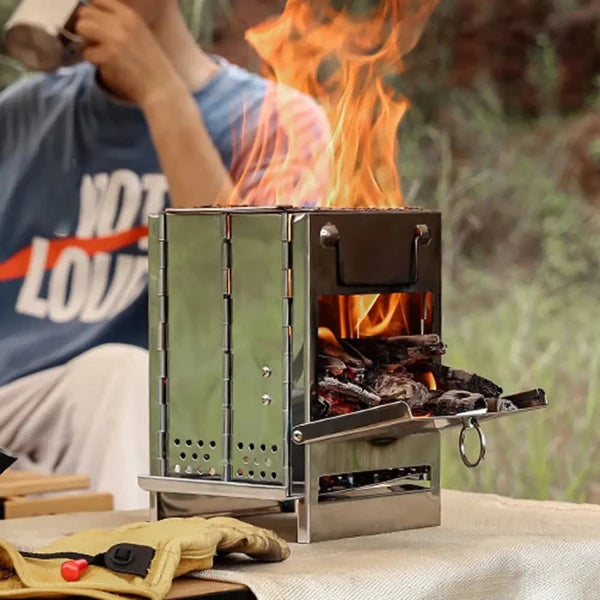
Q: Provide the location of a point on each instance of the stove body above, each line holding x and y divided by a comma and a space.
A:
235, 303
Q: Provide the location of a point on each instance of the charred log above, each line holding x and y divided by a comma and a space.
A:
453, 402
448, 378
397, 350
351, 392
392, 387
501, 405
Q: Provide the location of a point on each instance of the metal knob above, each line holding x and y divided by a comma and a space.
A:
266, 399
329, 236
266, 372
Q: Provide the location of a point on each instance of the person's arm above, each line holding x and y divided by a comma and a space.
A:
133, 65
188, 157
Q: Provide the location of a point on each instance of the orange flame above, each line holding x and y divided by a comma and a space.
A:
349, 61
374, 315
429, 381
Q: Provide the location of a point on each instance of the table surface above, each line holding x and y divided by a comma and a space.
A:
487, 547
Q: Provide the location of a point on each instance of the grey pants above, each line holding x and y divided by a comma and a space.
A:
87, 417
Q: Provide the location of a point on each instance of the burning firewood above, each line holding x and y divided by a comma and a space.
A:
397, 350
355, 374
448, 378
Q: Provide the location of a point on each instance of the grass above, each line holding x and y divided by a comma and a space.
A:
528, 339
520, 290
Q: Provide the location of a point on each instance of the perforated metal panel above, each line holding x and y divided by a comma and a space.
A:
260, 347
197, 409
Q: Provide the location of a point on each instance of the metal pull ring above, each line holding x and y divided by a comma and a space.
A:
471, 424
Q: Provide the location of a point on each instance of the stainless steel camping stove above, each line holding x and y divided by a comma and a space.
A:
235, 307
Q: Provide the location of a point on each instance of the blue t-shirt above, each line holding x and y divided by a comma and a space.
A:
79, 176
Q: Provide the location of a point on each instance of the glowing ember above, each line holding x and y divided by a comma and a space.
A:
349, 60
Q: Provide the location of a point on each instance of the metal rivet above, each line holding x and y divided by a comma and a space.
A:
177, 469
266, 372
188, 470
423, 233
297, 436
266, 399
212, 471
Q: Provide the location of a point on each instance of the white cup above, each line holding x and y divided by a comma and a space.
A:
41, 35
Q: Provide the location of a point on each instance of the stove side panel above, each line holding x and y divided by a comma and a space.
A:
259, 348
196, 445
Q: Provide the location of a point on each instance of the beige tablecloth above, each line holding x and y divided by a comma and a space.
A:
487, 548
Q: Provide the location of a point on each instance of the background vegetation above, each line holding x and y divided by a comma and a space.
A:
504, 138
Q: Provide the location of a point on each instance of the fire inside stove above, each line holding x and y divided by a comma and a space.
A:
380, 348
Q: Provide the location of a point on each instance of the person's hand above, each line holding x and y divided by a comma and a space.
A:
117, 40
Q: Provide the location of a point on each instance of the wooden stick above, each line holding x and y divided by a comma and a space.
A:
41, 484
16, 508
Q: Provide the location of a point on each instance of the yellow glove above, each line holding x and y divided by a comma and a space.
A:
141, 559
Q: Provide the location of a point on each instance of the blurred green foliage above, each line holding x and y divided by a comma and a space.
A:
521, 258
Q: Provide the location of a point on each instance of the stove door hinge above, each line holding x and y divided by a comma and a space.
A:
163, 347
287, 295
226, 258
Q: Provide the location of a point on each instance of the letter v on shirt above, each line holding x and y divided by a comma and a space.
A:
86, 281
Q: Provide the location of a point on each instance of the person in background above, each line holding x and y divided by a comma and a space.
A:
147, 121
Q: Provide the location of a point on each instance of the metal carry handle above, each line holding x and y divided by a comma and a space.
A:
330, 238
468, 424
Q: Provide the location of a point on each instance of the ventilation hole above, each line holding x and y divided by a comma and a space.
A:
182, 455
245, 460
273, 448
177, 441
268, 462
262, 474
195, 456
263, 448
251, 474
240, 445
213, 444
188, 443
200, 443
273, 475
251, 446
206, 457
239, 473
